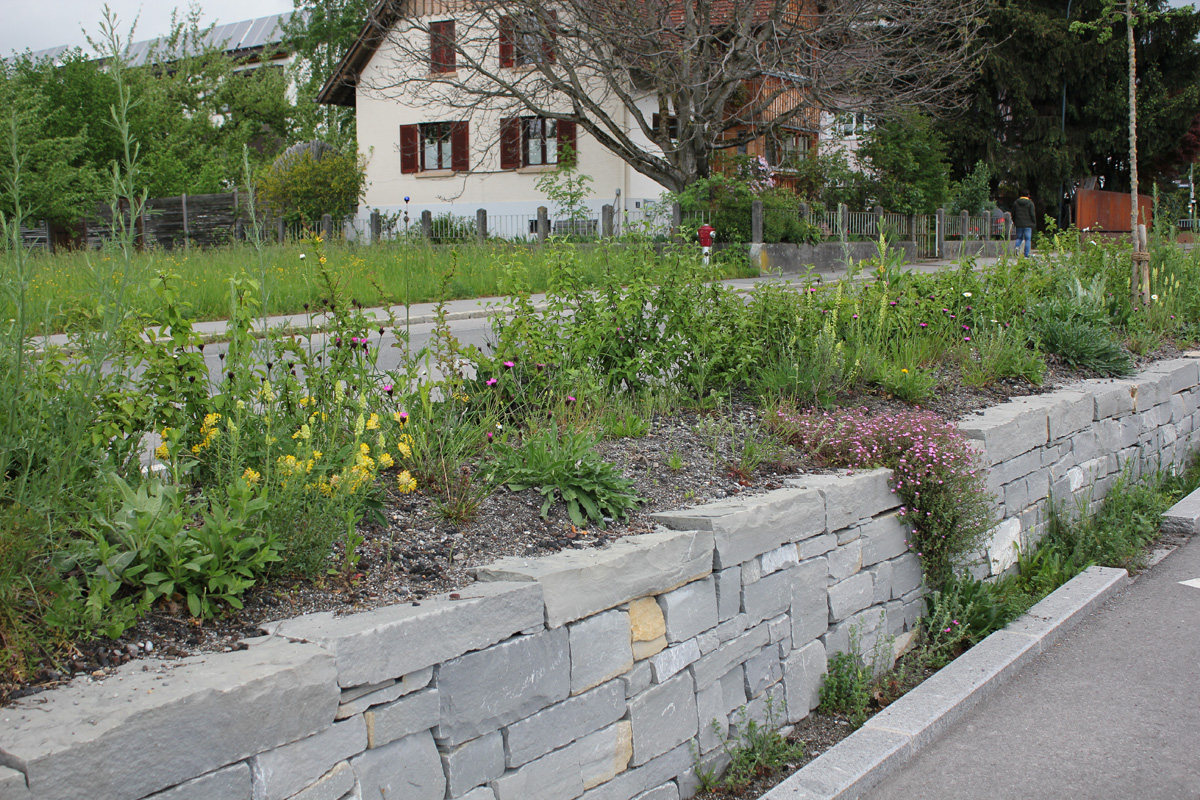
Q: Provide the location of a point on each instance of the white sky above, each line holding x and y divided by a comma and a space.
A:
38, 26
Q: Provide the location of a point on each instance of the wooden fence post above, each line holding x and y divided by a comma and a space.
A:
481, 228
186, 231
606, 221
543, 224
427, 224
376, 227
281, 230
327, 227
940, 250
756, 222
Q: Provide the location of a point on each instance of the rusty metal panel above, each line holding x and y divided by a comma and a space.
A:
1109, 211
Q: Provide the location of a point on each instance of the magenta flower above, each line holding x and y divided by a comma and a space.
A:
509, 364
492, 381
570, 399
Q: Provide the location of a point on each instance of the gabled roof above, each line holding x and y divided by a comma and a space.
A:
339, 88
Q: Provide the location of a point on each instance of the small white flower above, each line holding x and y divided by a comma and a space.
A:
302, 256
1153, 297
966, 294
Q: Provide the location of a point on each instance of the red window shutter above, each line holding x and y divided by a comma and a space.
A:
410, 148
548, 41
566, 136
460, 146
510, 143
441, 46
506, 41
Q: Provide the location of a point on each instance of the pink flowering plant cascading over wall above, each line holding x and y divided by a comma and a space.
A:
935, 472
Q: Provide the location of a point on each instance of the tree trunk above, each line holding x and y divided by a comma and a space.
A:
1139, 279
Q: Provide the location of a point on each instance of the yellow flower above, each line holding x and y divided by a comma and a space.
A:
305, 433
161, 452
251, 476
400, 417
373, 422
904, 371
403, 448
317, 455
405, 482
386, 461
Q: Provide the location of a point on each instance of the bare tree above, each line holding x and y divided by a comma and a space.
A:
666, 84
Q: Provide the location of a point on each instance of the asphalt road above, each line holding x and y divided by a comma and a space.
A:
1111, 711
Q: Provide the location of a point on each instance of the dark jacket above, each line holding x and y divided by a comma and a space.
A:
1023, 215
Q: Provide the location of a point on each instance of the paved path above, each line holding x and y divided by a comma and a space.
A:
1111, 711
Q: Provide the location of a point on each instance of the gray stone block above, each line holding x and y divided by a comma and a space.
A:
574, 718
762, 671
473, 763
729, 593
143, 732
632, 782
803, 673
732, 628
579, 583
690, 609
668, 791
817, 545
881, 579
1179, 374
712, 666
850, 596
780, 629
481, 793
484, 690
850, 498
600, 649
745, 528
1113, 398
1007, 430
280, 773
397, 640
779, 558
711, 718
566, 773
810, 602
404, 717
229, 783
751, 571
638, 679
867, 623
1071, 412
1184, 516
1151, 390
906, 574
845, 561
663, 717
359, 699
12, 786
669, 662
333, 785
408, 769
769, 597
884, 537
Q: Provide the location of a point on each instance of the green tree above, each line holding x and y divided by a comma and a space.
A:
320, 34
907, 161
1049, 107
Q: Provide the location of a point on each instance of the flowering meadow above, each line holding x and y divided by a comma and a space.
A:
135, 480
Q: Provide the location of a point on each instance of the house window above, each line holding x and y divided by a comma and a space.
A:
435, 146
790, 148
533, 141
852, 124
441, 47
539, 141
526, 40
672, 126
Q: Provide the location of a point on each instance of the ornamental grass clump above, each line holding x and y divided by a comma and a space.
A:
934, 471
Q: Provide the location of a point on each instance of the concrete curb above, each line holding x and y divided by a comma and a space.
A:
896, 734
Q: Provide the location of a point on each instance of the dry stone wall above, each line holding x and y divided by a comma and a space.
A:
594, 674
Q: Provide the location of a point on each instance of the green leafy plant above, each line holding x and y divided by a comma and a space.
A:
565, 466
847, 687
755, 749
1076, 334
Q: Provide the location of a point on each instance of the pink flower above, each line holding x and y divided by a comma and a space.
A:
509, 364
491, 381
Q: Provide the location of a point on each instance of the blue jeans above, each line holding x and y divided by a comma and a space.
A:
1023, 235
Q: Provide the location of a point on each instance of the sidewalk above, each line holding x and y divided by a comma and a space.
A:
1111, 711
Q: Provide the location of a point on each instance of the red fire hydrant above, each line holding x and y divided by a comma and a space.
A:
705, 234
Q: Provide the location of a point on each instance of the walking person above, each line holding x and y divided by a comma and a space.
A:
1024, 219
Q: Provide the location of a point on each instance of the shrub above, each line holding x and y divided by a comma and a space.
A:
934, 471
311, 180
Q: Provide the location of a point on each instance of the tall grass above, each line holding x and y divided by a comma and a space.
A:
383, 274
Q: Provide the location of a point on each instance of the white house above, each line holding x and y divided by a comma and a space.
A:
443, 157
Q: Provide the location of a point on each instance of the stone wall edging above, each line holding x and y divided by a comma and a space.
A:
584, 674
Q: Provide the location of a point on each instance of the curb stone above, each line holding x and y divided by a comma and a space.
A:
894, 735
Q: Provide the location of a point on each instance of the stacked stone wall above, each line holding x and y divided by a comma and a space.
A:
594, 674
